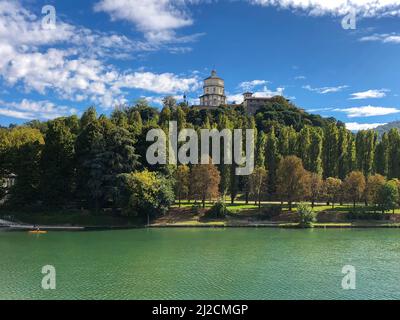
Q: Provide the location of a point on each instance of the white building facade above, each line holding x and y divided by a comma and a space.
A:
213, 91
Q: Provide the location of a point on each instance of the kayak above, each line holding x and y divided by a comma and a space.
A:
37, 232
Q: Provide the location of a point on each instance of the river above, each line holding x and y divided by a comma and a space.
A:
202, 264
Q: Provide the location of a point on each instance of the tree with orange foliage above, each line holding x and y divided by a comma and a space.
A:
205, 179
292, 180
354, 186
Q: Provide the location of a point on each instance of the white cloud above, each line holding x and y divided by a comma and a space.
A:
157, 19
250, 85
267, 93
28, 110
166, 83
369, 94
383, 37
235, 98
16, 20
364, 8
78, 70
158, 100
367, 111
355, 126
325, 90
300, 78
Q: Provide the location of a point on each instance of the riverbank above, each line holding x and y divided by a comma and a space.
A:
240, 216
250, 216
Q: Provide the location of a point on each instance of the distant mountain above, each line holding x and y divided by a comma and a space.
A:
386, 127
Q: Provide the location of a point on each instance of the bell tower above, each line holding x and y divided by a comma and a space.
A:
213, 91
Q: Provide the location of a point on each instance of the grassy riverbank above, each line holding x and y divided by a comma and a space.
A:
188, 215
250, 215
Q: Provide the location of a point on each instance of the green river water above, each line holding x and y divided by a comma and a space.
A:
202, 264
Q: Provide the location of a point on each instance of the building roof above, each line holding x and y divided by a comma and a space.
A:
213, 75
260, 98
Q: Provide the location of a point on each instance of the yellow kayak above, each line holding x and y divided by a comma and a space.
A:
37, 232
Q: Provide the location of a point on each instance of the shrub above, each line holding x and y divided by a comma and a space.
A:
363, 214
196, 208
306, 215
217, 211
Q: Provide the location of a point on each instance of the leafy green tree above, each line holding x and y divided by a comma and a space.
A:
103, 151
394, 153
343, 149
224, 169
382, 156
89, 116
272, 160
261, 149
180, 117
57, 164
148, 114
118, 157
388, 196
304, 146
283, 141
374, 184
20, 152
350, 158
182, 175
89, 145
315, 151
119, 118
145, 194
165, 116
330, 151
136, 122
365, 147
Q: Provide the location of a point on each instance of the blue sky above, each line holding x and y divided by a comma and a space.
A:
110, 52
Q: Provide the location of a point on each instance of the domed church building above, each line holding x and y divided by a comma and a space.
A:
214, 91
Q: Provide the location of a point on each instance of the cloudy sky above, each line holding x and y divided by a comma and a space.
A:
111, 52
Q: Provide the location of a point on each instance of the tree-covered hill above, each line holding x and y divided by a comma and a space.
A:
387, 127
283, 112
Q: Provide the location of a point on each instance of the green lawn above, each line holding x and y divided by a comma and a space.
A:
242, 207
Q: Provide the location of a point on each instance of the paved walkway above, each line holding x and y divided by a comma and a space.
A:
5, 222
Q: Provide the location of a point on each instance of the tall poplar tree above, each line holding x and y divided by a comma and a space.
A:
330, 151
